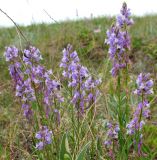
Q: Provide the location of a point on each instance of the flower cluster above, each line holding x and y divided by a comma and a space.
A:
112, 134
118, 40
83, 86
144, 85
31, 55
144, 88
124, 18
11, 53
52, 94
23, 87
32, 78
27, 95
135, 124
45, 137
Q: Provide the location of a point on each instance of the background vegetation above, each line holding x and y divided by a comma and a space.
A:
51, 39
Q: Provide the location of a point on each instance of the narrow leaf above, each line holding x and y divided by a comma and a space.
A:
81, 154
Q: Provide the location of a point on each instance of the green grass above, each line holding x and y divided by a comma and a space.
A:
51, 39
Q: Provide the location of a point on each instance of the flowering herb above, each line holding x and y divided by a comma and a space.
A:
45, 137
118, 40
84, 87
144, 88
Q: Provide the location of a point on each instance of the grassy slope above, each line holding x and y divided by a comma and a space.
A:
52, 38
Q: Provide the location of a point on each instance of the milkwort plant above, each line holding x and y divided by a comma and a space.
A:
118, 40
83, 90
124, 131
38, 93
43, 102
62, 111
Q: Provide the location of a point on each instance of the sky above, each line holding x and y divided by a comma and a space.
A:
25, 12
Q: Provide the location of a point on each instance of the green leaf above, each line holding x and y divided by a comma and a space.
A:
146, 149
81, 154
64, 153
154, 155
67, 157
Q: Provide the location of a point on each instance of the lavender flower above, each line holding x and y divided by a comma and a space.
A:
33, 78
16, 73
124, 18
116, 67
112, 134
144, 85
23, 87
31, 55
82, 85
26, 93
142, 112
91, 88
45, 137
11, 53
15, 68
144, 88
118, 40
69, 61
52, 94
27, 111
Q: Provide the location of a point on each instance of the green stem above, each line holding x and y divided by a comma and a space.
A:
121, 136
119, 100
127, 105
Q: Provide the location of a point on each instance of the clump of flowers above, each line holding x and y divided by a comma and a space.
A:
31, 55
112, 134
83, 85
32, 78
124, 18
144, 85
118, 40
11, 53
45, 137
52, 95
15, 68
23, 87
144, 88
34, 86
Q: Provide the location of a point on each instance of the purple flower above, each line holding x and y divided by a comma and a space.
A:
107, 143
52, 93
45, 137
119, 43
112, 134
31, 55
144, 84
40, 145
136, 124
27, 112
69, 61
134, 127
16, 73
124, 18
116, 67
82, 85
11, 53
118, 40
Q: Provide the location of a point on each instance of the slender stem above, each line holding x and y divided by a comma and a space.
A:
121, 138
127, 105
140, 117
119, 100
